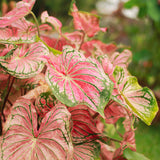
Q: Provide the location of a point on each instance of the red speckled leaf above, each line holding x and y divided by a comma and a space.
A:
75, 79
85, 21
22, 139
22, 9
25, 63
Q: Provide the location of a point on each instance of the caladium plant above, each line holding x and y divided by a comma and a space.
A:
58, 94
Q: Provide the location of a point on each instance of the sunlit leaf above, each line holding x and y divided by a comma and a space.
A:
25, 62
23, 139
75, 79
140, 100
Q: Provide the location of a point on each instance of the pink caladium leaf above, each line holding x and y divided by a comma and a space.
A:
87, 151
75, 38
83, 127
129, 135
113, 112
54, 43
76, 80
97, 48
84, 133
140, 100
121, 59
87, 22
22, 139
45, 18
21, 31
22, 9
25, 62
13, 36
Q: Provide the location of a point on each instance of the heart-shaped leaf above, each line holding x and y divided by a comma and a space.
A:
140, 100
25, 63
75, 79
22, 140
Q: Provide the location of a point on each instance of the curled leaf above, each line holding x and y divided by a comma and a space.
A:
52, 20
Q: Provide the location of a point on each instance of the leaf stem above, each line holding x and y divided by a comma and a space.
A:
37, 25
6, 97
54, 51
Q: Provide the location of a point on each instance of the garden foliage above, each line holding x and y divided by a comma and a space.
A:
59, 95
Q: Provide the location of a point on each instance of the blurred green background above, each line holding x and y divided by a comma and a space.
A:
132, 24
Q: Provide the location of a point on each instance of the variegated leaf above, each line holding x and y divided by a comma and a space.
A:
22, 9
54, 43
140, 100
75, 79
84, 128
84, 134
13, 36
25, 62
121, 59
22, 139
113, 112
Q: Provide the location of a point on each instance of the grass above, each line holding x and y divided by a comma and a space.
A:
148, 140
